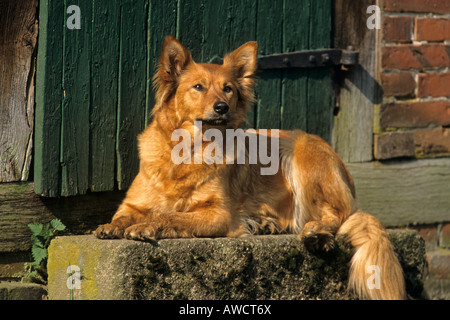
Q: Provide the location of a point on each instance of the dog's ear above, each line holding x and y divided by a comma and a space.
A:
174, 59
244, 60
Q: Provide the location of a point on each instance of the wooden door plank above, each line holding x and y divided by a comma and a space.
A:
269, 35
76, 103
243, 22
360, 91
105, 74
158, 29
132, 88
48, 99
190, 26
296, 24
319, 115
216, 30
243, 29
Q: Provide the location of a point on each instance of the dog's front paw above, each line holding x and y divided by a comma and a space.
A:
109, 231
141, 231
154, 230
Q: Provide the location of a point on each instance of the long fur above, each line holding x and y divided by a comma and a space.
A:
373, 248
311, 194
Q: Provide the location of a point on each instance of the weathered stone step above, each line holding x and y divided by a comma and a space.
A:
261, 267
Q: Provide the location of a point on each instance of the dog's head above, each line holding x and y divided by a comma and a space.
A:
217, 95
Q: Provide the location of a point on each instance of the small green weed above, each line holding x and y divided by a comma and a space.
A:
41, 236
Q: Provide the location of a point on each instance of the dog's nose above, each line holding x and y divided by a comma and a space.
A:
221, 107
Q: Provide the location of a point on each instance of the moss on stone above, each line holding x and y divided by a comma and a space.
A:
261, 267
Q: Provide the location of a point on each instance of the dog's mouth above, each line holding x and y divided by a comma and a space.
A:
213, 122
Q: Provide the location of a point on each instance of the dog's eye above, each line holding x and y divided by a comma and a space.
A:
227, 89
198, 87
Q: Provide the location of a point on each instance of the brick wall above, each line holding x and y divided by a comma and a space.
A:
414, 118
435, 235
437, 273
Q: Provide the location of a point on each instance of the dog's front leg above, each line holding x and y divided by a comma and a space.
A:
200, 223
125, 216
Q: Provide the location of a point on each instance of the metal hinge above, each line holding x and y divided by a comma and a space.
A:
305, 59
310, 59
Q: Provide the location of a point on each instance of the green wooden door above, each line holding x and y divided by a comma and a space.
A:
93, 86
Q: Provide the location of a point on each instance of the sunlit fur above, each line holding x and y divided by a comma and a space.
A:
312, 194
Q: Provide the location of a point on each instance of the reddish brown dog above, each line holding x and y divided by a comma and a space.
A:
312, 194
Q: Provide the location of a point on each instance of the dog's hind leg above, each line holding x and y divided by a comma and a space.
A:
319, 234
327, 202
322, 188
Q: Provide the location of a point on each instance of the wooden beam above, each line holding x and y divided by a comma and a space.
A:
404, 192
397, 193
19, 206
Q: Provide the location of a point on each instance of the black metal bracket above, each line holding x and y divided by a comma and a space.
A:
306, 59
310, 59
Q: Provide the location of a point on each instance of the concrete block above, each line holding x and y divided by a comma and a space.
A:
260, 267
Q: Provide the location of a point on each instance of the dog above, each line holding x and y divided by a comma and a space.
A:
311, 194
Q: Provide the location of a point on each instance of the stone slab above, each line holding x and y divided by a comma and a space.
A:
260, 267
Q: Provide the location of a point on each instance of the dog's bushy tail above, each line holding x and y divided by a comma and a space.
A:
375, 272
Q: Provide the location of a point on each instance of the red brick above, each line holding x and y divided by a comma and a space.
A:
444, 237
434, 142
404, 57
429, 29
439, 264
398, 84
397, 29
434, 55
394, 145
429, 234
434, 85
399, 57
415, 115
428, 6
